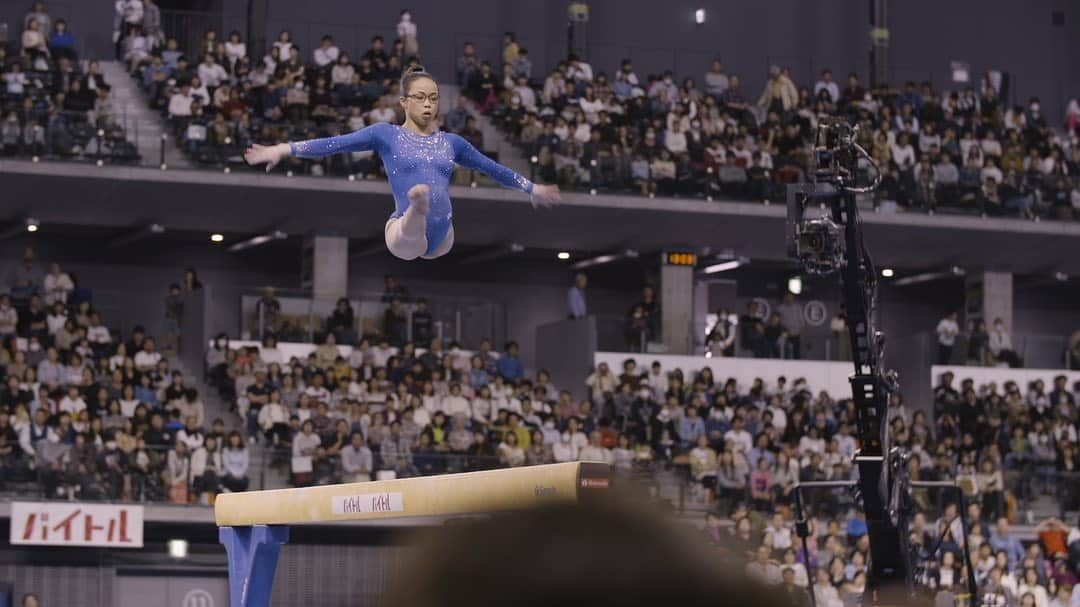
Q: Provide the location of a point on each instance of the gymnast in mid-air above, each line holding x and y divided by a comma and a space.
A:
419, 160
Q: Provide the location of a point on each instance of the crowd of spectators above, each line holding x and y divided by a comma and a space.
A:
415, 411
587, 128
980, 346
86, 413
52, 104
219, 98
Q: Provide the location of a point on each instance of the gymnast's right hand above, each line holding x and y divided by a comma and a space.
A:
270, 154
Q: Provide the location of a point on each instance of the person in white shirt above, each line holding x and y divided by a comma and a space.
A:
990, 170
578, 70
190, 434
327, 52
269, 353
523, 91
199, 91
406, 32
482, 409
739, 438
595, 452
577, 437
9, 317
356, 459
947, 330
137, 48
235, 49
212, 74
455, 403
827, 84
98, 333
72, 403
56, 318
146, 359
1001, 345
342, 72
903, 154
305, 443
284, 46
273, 416
180, 103
780, 533
57, 285
564, 450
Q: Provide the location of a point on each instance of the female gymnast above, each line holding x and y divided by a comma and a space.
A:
419, 161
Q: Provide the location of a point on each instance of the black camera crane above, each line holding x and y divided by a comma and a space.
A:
833, 242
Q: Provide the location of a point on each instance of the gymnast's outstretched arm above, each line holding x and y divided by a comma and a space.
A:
469, 157
367, 138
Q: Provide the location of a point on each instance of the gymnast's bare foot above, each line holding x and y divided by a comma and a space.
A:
418, 198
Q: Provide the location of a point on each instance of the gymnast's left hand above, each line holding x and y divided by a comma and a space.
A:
544, 195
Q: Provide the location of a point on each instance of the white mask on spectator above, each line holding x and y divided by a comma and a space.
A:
299, 86
1035, 108
34, 346
110, 444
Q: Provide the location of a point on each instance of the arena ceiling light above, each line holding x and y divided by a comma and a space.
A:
699, 16
887, 272
138, 234
915, 279
256, 241
605, 259
20, 227
794, 285
492, 253
725, 266
562, 255
216, 238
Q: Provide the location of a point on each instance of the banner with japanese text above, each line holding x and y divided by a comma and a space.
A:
76, 524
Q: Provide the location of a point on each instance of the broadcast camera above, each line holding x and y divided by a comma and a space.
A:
818, 242
825, 235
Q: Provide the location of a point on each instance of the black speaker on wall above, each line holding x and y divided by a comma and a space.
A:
1057, 18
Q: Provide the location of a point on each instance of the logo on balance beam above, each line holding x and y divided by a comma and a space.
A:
369, 503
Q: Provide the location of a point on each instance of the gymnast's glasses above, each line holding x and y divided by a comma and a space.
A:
420, 97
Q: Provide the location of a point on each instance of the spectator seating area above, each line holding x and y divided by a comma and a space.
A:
54, 104
218, 99
93, 415
741, 446
969, 148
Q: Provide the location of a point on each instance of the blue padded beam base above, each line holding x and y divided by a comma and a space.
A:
253, 554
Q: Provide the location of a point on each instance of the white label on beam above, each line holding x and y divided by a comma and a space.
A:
369, 503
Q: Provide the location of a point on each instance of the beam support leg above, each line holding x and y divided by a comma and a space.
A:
252, 554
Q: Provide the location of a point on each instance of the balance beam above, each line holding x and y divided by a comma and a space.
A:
254, 524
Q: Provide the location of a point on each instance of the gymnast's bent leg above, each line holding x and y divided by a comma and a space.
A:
444, 247
405, 235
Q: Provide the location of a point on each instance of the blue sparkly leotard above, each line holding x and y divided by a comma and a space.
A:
410, 159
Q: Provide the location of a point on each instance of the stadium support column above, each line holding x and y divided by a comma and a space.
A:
989, 296
577, 29
257, 11
676, 307
325, 266
879, 42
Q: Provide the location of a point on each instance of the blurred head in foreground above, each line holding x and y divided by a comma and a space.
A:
596, 555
